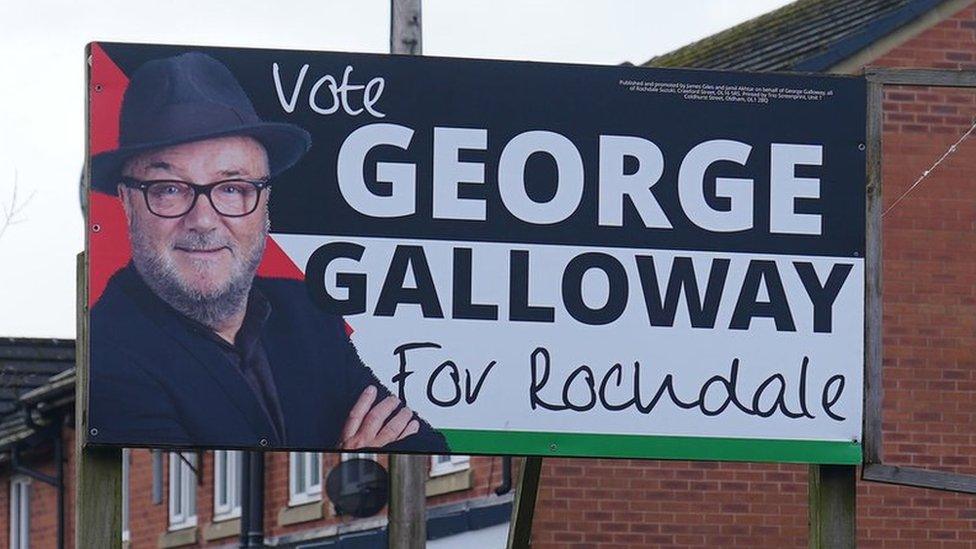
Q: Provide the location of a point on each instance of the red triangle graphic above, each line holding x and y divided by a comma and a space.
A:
107, 84
108, 244
277, 264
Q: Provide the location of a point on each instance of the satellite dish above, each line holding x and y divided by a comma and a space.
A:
358, 487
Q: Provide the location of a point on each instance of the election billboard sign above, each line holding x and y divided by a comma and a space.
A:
335, 251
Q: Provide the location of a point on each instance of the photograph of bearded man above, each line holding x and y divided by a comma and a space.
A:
189, 347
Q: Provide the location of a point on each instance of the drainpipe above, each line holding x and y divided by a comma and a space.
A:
57, 481
252, 500
59, 461
245, 491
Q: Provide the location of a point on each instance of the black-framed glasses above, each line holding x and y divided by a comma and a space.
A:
173, 198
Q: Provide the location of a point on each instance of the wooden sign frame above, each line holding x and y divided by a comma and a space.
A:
874, 468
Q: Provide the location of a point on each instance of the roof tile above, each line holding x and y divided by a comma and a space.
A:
799, 36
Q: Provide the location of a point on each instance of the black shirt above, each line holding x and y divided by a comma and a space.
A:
248, 356
160, 379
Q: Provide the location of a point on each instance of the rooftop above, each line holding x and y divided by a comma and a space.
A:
806, 36
35, 371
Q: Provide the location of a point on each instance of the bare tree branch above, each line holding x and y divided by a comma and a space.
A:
13, 211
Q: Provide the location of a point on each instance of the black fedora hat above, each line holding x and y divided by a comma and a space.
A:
190, 97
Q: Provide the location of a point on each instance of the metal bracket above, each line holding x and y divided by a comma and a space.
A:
194, 468
27, 471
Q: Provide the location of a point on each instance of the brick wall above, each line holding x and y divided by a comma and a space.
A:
630, 503
929, 298
147, 521
929, 368
43, 501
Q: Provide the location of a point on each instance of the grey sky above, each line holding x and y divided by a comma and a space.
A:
42, 88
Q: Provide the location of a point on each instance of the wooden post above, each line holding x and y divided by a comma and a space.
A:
408, 474
408, 502
98, 471
873, 392
523, 508
833, 506
874, 468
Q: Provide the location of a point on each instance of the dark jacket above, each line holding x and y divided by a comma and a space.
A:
157, 382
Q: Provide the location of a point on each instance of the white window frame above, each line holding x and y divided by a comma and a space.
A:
346, 456
307, 487
227, 470
126, 468
182, 483
20, 512
445, 465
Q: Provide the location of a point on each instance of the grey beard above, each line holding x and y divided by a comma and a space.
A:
212, 310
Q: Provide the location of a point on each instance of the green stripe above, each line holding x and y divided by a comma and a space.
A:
656, 447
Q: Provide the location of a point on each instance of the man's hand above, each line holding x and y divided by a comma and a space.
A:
370, 426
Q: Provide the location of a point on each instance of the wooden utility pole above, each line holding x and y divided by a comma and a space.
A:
98, 477
408, 474
405, 27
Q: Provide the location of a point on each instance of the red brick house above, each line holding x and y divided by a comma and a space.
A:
929, 300
929, 365
169, 501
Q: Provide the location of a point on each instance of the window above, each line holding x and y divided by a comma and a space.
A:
182, 491
126, 456
443, 465
20, 513
227, 484
305, 478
